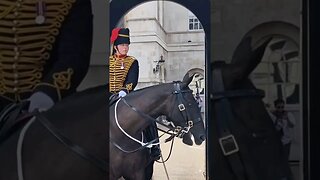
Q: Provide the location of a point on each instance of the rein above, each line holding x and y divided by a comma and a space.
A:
177, 131
10, 120
101, 164
143, 145
227, 140
25, 120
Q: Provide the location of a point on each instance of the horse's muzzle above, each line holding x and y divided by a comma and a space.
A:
203, 137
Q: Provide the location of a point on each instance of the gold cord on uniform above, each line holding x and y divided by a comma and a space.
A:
28, 30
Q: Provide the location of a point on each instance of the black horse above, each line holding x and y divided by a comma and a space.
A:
69, 141
244, 140
132, 114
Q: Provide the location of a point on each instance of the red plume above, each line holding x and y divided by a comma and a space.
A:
114, 34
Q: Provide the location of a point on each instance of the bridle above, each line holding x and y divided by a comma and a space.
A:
13, 112
98, 162
225, 117
182, 108
26, 120
174, 131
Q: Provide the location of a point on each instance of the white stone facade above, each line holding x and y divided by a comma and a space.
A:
156, 30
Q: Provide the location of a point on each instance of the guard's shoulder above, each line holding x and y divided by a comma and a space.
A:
131, 57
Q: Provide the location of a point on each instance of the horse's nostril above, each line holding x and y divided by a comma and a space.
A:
203, 137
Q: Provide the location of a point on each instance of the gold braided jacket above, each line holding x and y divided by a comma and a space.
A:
25, 44
118, 70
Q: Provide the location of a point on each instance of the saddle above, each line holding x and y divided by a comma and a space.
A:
12, 116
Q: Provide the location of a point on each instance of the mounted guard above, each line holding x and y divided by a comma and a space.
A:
123, 77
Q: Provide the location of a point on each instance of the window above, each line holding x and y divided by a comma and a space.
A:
279, 75
279, 72
194, 23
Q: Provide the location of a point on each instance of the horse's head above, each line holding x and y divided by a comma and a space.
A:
184, 110
241, 124
245, 59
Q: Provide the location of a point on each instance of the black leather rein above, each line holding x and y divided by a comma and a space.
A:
177, 131
225, 117
98, 162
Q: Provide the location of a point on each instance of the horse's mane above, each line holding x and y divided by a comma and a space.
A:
152, 86
149, 87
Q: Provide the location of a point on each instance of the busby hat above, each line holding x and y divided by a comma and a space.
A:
120, 36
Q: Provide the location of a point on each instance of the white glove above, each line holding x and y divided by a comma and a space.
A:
40, 101
122, 94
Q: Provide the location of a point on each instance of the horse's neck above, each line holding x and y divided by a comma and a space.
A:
134, 121
123, 118
151, 102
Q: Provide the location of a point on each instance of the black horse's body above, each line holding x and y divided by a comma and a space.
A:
82, 118
153, 101
238, 110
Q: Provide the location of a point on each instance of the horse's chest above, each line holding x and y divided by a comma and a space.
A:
125, 164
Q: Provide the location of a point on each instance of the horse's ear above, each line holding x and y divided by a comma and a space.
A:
188, 78
242, 51
248, 58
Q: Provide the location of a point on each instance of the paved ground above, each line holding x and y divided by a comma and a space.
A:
186, 162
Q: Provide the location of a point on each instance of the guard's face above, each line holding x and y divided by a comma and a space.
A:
122, 49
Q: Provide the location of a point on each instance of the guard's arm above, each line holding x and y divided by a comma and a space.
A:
131, 80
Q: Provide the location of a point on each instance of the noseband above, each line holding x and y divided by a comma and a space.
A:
180, 131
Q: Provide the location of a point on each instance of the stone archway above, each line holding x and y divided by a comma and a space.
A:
201, 9
279, 74
275, 28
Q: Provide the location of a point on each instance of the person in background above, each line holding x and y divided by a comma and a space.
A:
199, 100
123, 77
284, 122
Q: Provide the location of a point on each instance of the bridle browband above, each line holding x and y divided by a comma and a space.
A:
227, 140
175, 131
